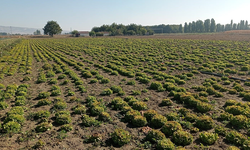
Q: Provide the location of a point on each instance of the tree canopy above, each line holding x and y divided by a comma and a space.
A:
120, 29
51, 28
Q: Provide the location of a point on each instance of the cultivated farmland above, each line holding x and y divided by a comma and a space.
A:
125, 93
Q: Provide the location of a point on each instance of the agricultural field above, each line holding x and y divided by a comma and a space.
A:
125, 93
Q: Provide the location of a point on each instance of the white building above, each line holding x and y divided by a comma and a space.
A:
83, 33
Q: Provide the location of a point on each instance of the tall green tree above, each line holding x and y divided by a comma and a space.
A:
193, 26
51, 28
74, 32
234, 26
199, 26
213, 25
207, 25
190, 27
180, 29
246, 25
185, 28
231, 25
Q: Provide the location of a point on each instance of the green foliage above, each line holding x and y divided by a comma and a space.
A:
139, 105
104, 116
204, 122
149, 114
3, 105
79, 109
170, 127
139, 121
105, 80
204, 107
239, 121
11, 127
67, 127
158, 121
89, 121
107, 91
43, 102
182, 138
60, 105
155, 135
120, 137
208, 138
165, 144
235, 137
51, 28
63, 119
44, 126
166, 102
43, 95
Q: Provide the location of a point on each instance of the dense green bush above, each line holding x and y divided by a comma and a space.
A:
165, 144
158, 121
139, 121
44, 126
120, 137
182, 138
204, 122
208, 138
155, 135
170, 127
11, 127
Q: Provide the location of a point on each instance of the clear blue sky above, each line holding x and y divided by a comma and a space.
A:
84, 14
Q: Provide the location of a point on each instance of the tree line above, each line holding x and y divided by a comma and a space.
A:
120, 29
199, 26
210, 26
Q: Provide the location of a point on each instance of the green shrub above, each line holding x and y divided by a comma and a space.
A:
63, 119
120, 137
62, 76
60, 105
230, 102
203, 93
220, 130
239, 121
158, 121
155, 135
149, 114
131, 82
170, 127
42, 114
235, 110
172, 116
107, 91
233, 148
235, 137
71, 93
116, 89
105, 80
190, 117
2, 86
166, 102
15, 117
139, 121
208, 138
232, 91
139, 105
79, 109
204, 122
11, 127
104, 116
226, 116
3, 105
247, 96
43, 102
44, 126
43, 95
165, 144
136, 92
96, 110
93, 81
204, 107
155, 85
16, 110
65, 82
182, 138
89, 121
67, 127
129, 116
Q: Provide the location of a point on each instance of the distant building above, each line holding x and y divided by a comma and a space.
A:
105, 33
83, 33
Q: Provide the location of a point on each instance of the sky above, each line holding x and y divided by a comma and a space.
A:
83, 15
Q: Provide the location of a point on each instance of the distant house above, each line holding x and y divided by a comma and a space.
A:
105, 33
83, 33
